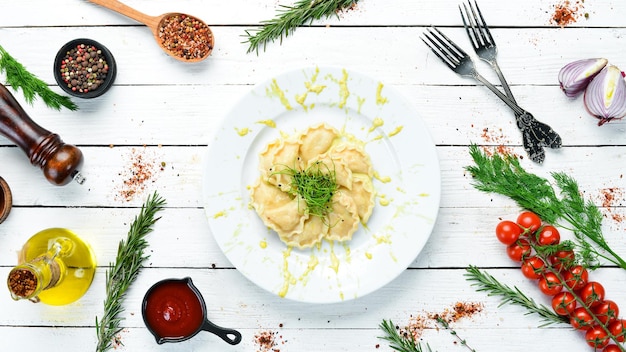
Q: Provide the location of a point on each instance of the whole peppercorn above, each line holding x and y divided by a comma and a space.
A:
84, 68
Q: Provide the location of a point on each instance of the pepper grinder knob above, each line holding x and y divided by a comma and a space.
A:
60, 162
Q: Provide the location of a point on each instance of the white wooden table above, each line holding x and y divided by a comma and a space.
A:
167, 110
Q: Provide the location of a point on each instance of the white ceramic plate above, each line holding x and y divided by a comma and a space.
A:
407, 184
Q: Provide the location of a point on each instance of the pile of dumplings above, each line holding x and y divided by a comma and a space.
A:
287, 214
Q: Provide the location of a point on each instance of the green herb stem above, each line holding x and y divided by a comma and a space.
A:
18, 77
484, 282
121, 274
453, 332
398, 342
291, 17
504, 175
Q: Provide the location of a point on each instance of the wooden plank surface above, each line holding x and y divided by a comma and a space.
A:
168, 111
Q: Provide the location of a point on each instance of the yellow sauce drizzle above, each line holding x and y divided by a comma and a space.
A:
383, 200
383, 179
242, 131
268, 123
377, 122
263, 244
344, 92
334, 261
360, 102
380, 100
286, 274
311, 87
396, 131
368, 255
219, 214
382, 239
275, 91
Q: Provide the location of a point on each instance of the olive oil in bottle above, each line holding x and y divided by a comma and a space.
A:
55, 267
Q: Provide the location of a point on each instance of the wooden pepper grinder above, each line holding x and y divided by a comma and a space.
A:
60, 162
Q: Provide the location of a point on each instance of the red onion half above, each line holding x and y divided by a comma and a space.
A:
605, 96
575, 76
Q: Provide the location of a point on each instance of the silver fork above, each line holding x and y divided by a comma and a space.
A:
461, 63
484, 45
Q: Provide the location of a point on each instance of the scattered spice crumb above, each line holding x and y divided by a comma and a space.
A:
609, 196
497, 137
140, 170
268, 341
567, 12
428, 320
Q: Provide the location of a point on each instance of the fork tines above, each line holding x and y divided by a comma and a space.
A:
443, 47
479, 34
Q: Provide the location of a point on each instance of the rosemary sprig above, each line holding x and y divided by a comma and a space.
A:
453, 332
398, 342
17, 76
290, 17
406, 342
119, 276
504, 175
484, 282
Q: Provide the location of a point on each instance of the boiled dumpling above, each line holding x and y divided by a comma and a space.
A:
319, 149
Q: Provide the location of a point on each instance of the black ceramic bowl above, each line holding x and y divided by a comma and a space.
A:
90, 71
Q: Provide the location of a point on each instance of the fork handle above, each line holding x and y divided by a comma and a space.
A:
505, 84
500, 95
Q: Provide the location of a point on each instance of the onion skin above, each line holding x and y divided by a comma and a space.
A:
605, 96
575, 76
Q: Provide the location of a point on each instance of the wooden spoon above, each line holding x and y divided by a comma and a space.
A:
202, 48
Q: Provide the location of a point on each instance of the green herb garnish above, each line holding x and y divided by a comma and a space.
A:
504, 175
399, 342
487, 283
291, 17
405, 342
119, 276
316, 186
17, 76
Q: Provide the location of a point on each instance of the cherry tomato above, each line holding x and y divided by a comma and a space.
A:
550, 284
564, 303
597, 337
581, 319
508, 232
533, 267
576, 277
611, 348
618, 329
606, 311
548, 235
562, 259
592, 294
529, 221
519, 250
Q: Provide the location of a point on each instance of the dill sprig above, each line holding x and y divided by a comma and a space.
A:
316, 185
291, 17
504, 175
484, 282
399, 342
119, 276
18, 77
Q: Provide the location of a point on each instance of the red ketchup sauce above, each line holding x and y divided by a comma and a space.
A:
173, 310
